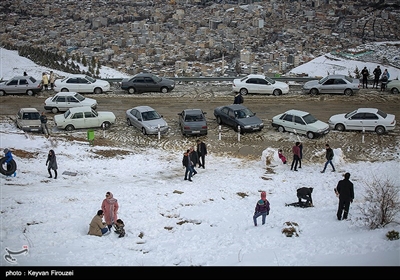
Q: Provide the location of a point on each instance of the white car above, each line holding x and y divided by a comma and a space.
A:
62, 101
82, 84
28, 119
84, 117
255, 83
300, 122
367, 119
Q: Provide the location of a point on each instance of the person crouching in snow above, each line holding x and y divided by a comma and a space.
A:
281, 156
305, 193
97, 226
262, 208
119, 228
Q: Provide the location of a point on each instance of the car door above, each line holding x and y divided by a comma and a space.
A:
91, 119
12, 86
264, 87
71, 102
338, 86
252, 85
135, 118
151, 85
61, 103
23, 86
360, 121
327, 86
72, 84
287, 122
84, 85
77, 120
299, 125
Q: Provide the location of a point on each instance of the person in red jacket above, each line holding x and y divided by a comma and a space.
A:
296, 156
262, 209
281, 156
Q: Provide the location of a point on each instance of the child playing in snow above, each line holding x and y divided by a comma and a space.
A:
119, 228
281, 156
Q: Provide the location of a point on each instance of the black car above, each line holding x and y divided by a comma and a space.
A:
147, 82
237, 115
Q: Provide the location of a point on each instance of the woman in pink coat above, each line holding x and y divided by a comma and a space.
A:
110, 208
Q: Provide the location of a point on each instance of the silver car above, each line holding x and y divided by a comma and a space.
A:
335, 84
21, 84
28, 119
147, 120
193, 122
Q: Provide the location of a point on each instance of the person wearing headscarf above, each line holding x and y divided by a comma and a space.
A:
51, 163
110, 208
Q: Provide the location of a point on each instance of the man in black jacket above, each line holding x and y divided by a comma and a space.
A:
345, 190
201, 152
329, 157
305, 193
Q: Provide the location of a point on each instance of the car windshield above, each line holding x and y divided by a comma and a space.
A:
350, 114
66, 114
33, 80
31, 116
309, 119
155, 78
92, 80
243, 113
269, 80
150, 115
79, 97
348, 79
323, 80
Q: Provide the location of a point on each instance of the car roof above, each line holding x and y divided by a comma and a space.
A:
193, 111
255, 76
296, 112
66, 93
77, 75
144, 75
235, 106
337, 76
143, 108
368, 110
20, 77
80, 109
29, 109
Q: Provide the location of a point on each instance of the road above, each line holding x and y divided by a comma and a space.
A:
356, 145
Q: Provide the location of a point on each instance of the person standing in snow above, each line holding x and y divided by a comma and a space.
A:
194, 159
43, 122
329, 157
110, 208
186, 162
345, 190
377, 74
45, 81
201, 152
51, 163
296, 156
97, 227
262, 208
365, 74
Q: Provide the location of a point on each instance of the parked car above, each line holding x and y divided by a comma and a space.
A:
335, 84
147, 120
28, 119
21, 84
237, 115
62, 101
255, 83
82, 84
368, 119
192, 122
147, 82
393, 86
84, 117
300, 122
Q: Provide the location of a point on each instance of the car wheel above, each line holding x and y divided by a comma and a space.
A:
144, 131
30, 92
164, 90
105, 125
281, 129
243, 91
314, 91
348, 92
340, 127
54, 110
128, 121
219, 121
380, 130
98, 90
2, 93
69, 127
277, 92
395, 90
310, 135
131, 90
64, 90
